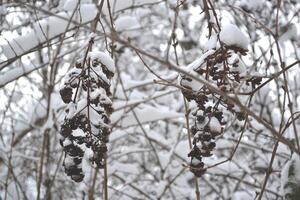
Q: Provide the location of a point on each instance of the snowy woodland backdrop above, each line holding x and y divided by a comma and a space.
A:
150, 99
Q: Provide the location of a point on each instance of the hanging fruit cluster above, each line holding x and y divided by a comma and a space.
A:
86, 126
221, 66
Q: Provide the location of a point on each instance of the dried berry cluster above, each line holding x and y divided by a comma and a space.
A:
223, 68
86, 128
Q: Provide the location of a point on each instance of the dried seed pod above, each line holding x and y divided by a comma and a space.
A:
66, 94
86, 125
222, 68
77, 177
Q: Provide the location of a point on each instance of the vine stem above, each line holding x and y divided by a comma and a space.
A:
187, 112
112, 55
105, 180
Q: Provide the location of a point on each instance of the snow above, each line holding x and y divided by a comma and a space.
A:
156, 136
231, 35
96, 120
196, 64
242, 195
160, 186
196, 162
226, 167
70, 5
16, 96
164, 158
182, 149
100, 92
104, 58
98, 74
145, 114
193, 84
78, 133
211, 43
38, 110
290, 175
124, 167
119, 5
252, 5
81, 105
13, 74
130, 155
68, 161
66, 142
212, 18
70, 76
47, 29
3, 10
116, 135
126, 22
285, 176
86, 164
290, 34
71, 107
237, 64
35, 111
127, 26
200, 126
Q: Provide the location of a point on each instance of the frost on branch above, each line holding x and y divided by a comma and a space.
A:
290, 179
221, 66
86, 128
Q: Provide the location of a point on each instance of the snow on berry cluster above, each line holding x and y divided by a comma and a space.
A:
86, 126
221, 66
